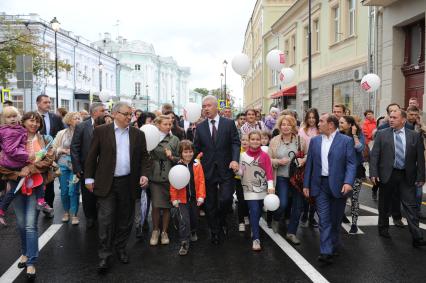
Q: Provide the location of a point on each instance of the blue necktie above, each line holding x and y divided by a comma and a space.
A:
399, 151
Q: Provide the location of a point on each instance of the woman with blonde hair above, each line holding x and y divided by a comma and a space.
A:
282, 150
163, 157
68, 182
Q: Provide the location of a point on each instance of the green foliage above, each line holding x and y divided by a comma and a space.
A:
203, 91
17, 39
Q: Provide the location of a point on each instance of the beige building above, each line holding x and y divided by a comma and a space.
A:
265, 13
398, 37
339, 56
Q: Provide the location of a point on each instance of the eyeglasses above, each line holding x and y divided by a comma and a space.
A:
125, 114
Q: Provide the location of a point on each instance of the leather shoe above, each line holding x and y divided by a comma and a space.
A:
419, 243
328, 259
22, 264
398, 223
215, 239
103, 265
123, 257
384, 234
90, 223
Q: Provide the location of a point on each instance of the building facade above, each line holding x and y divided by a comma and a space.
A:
147, 80
265, 13
92, 69
398, 50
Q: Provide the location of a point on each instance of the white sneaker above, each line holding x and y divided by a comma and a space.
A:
293, 239
246, 220
256, 245
164, 238
241, 227
154, 238
75, 220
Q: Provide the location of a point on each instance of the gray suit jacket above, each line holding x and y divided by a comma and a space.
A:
80, 145
382, 156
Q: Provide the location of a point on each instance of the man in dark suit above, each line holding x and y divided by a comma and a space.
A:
52, 124
397, 161
117, 164
329, 176
80, 145
217, 138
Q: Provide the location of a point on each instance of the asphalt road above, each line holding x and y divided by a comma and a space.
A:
70, 255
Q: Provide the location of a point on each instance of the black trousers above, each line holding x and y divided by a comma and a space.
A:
398, 185
218, 202
49, 193
89, 202
115, 217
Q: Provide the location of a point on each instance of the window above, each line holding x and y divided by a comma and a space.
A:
343, 93
67, 72
93, 77
137, 88
316, 36
293, 50
306, 42
18, 102
65, 103
351, 18
336, 24
137, 67
286, 49
106, 80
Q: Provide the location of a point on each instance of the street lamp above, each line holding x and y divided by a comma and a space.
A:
221, 84
100, 66
225, 64
310, 55
147, 97
56, 25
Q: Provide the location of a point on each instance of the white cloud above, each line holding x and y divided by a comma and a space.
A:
199, 34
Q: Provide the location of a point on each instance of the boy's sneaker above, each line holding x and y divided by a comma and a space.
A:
184, 247
354, 229
193, 237
256, 245
43, 206
241, 227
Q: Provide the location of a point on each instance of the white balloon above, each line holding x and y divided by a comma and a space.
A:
370, 82
271, 202
286, 75
275, 59
152, 136
241, 64
264, 148
179, 176
192, 112
104, 96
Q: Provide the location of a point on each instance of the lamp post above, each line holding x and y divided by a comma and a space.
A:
56, 25
225, 64
310, 54
147, 97
100, 66
221, 84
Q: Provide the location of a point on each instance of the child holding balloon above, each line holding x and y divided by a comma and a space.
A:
188, 199
257, 181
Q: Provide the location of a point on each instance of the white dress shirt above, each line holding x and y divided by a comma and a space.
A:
122, 164
217, 118
325, 149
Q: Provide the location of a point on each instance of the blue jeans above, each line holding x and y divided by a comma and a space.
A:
255, 210
69, 192
26, 218
283, 191
419, 197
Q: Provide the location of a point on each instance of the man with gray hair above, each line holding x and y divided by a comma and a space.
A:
119, 149
79, 149
217, 138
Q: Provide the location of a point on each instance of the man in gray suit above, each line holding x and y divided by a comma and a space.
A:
397, 161
80, 145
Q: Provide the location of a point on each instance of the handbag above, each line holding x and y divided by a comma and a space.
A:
297, 172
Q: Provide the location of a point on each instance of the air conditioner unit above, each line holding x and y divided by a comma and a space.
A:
358, 74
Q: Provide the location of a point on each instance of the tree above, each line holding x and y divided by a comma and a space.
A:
203, 91
16, 38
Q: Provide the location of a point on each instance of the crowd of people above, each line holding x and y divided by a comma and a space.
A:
313, 166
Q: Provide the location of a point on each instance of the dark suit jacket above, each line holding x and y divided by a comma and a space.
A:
55, 125
386, 125
101, 160
80, 145
382, 156
341, 165
218, 155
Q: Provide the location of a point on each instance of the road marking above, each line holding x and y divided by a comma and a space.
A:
298, 259
13, 272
